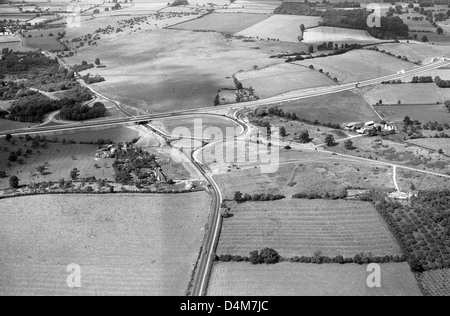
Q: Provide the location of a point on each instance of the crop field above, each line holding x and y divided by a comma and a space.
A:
358, 65
176, 70
9, 39
435, 282
298, 279
251, 6
445, 93
417, 25
304, 172
7, 8
335, 34
61, 160
302, 227
423, 113
22, 17
229, 23
278, 79
421, 181
124, 244
408, 93
338, 108
15, 46
43, 19
41, 39
281, 27
416, 52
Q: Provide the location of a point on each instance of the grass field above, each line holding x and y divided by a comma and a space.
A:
297, 279
421, 181
394, 152
423, 113
303, 227
282, 78
229, 23
176, 69
60, 159
435, 143
203, 123
335, 34
408, 93
8, 125
118, 134
358, 65
416, 52
124, 244
281, 27
339, 108
435, 282
305, 173
40, 39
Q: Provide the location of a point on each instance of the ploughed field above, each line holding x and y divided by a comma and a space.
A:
124, 244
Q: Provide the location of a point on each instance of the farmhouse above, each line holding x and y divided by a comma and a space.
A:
398, 195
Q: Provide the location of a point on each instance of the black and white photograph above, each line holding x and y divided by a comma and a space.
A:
225, 155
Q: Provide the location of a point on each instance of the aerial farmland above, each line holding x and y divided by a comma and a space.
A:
225, 148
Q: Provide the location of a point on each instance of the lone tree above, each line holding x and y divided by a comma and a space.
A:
329, 140
283, 131
439, 30
348, 144
302, 27
74, 174
97, 61
14, 182
270, 256
304, 137
8, 137
311, 49
2, 174
238, 197
217, 100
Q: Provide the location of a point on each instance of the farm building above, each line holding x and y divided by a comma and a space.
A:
398, 195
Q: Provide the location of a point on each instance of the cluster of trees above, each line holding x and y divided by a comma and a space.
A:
75, 112
33, 108
317, 196
132, 164
422, 228
442, 83
303, 137
14, 63
93, 79
267, 256
242, 198
422, 79
391, 27
358, 259
84, 66
274, 111
40, 71
179, 3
